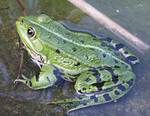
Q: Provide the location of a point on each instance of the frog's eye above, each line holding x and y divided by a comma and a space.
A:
30, 32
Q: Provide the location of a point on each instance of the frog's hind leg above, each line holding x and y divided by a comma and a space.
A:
102, 97
93, 91
45, 79
109, 91
129, 57
92, 81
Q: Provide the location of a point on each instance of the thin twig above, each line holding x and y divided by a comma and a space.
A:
22, 6
4, 8
20, 69
20, 65
20, 61
111, 25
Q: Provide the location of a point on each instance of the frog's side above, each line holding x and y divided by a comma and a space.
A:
97, 66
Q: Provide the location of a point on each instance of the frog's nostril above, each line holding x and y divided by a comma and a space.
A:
17, 23
20, 19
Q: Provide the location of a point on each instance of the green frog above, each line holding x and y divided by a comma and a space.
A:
101, 68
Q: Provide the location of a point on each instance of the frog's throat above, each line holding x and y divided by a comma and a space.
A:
37, 58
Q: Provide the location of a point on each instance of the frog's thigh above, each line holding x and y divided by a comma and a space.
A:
92, 81
45, 79
89, 81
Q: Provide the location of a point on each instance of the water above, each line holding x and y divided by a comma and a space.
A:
133, 15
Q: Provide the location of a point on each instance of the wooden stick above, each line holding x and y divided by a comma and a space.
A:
22, 6
111, 25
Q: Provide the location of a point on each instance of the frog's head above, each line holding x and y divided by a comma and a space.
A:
29, 31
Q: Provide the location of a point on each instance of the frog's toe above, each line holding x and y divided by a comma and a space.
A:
66, 104
24, 80
24, 77
20, 80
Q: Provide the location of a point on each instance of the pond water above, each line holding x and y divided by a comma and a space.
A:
20, 100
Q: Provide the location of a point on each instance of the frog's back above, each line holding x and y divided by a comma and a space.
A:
82, 46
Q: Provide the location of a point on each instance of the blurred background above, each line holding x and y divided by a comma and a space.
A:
20, 100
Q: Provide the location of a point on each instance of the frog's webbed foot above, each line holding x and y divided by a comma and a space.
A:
45, 79
68, 104
24, 79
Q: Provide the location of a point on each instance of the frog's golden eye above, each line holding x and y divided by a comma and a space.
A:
30, 32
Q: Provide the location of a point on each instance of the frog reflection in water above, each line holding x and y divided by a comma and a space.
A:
100, 68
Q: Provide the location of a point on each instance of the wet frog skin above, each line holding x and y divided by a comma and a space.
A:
100, 68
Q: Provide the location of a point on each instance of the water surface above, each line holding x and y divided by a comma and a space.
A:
133, 15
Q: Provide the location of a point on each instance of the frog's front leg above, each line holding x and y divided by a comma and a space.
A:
45, 79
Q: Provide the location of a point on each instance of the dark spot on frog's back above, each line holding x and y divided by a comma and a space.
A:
108, 39
58, 51
86, 57
82, 41
77, 64
64, 41
119, 46
68, 33
126, 52
107, 97
104, 55
74, 49
92, 49
116, 66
